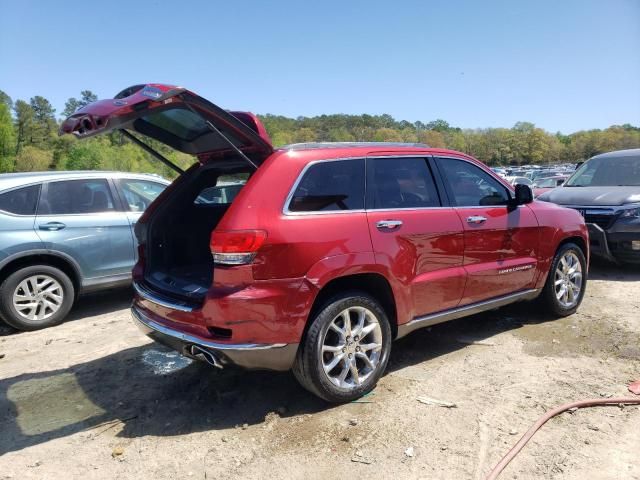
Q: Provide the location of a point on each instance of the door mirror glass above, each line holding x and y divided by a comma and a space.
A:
524, 194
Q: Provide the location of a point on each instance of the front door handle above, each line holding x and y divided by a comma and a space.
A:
476, 219
388, 224
52, 226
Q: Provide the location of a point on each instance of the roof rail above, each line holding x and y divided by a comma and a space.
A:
318, 145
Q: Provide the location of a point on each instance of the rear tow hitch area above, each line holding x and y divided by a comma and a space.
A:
205, 355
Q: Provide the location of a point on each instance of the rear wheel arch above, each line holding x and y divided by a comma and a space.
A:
373, 284
64, 264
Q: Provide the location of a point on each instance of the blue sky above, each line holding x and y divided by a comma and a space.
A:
564, 65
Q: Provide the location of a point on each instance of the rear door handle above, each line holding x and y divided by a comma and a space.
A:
52, 226
388, 224
476, 219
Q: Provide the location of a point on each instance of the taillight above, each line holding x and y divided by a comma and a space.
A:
236, 247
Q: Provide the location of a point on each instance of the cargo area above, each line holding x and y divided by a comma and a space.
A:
178, 258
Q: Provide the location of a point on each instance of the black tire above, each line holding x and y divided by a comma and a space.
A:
548, 298
10, 314
308, 367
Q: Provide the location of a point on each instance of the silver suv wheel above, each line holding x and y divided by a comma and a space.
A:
38, 297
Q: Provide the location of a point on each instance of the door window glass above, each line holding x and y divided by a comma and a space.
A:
138, 194
400, 183
21, 201
76, 196
227, 186
330, 186
472, 186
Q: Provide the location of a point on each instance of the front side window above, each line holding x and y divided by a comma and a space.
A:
400, 183
76, 196
330, 186
21, 201
471, 186
138, 194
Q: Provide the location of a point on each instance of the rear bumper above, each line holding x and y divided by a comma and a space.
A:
255, 356
614, 246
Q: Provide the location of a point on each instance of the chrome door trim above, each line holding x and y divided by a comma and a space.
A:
459, 312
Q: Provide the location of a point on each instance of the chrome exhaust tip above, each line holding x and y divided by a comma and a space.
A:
204, 355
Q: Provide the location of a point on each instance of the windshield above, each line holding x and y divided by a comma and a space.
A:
607, 172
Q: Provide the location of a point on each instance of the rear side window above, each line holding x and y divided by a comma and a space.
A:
471, 186
76, 196
21, 201
330, 186
400, 183
227, 186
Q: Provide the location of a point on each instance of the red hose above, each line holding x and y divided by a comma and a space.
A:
550, 414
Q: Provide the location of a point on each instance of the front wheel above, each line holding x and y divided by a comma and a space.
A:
36, 297
566, 282
346, 348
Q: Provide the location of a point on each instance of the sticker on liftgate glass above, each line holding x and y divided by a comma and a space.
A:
515, 269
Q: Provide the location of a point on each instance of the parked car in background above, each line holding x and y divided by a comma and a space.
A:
520, 181
545, 184
328, 252
63, 234
606, 191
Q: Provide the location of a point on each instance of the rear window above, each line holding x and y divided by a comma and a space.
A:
76, 196
330, 186
225, 190
21, 201
182, 123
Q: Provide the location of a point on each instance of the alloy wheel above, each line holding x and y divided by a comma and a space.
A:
568, 280
38, 297
352, 347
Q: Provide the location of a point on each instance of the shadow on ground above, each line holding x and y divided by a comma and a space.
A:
153, 391
167, 396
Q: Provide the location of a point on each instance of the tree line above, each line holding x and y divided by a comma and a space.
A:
29, 139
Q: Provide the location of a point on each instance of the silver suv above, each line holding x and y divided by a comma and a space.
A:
63, 234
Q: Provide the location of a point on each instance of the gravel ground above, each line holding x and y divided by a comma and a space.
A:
92, 398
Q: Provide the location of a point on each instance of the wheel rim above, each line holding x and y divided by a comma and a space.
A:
38, 297
568, 280
352, 347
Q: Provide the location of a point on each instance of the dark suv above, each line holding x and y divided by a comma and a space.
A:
328, 251
606, 191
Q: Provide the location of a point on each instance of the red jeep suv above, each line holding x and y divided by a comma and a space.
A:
314, 257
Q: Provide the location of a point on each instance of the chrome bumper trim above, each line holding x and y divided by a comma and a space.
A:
185, 337
163, 302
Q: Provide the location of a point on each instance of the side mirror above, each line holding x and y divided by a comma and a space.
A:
524, 194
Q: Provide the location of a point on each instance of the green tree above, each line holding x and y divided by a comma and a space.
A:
73, 104
7, 139
24, 124
33, 159
44, 121
6, 99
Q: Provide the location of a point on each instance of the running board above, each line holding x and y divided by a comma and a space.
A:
459, 312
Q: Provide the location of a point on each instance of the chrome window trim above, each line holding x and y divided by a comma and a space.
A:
287, 202
492, 175
11, 189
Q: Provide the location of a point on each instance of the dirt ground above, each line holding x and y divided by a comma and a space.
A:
93, 398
